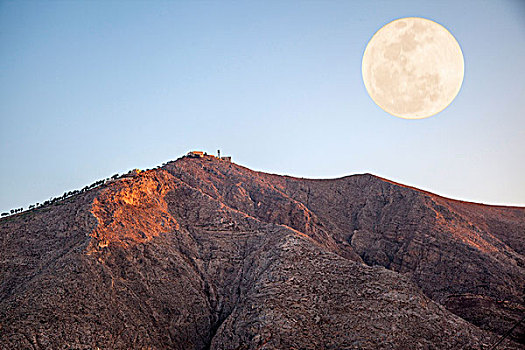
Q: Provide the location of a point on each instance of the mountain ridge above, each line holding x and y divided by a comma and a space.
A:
229, 232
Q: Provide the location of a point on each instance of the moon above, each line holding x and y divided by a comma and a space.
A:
413, 68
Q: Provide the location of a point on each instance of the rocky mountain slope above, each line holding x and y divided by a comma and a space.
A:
206, 254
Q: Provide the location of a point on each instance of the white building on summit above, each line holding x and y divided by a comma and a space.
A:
201, 154
195, 154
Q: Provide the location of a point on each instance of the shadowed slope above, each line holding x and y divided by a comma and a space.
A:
466, 256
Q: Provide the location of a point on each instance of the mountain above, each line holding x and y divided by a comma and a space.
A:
202, 253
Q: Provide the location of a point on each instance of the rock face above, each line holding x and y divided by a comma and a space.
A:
206, 254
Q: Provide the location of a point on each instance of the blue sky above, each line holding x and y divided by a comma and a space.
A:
89, 89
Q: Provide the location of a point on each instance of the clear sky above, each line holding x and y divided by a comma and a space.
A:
89, 89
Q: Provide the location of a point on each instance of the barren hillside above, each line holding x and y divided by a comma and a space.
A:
206, 254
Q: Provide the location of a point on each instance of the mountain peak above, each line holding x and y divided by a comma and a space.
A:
204, 253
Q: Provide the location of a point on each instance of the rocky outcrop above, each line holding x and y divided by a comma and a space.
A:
133, 210
206, 254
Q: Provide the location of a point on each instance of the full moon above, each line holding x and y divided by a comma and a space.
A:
413, 68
